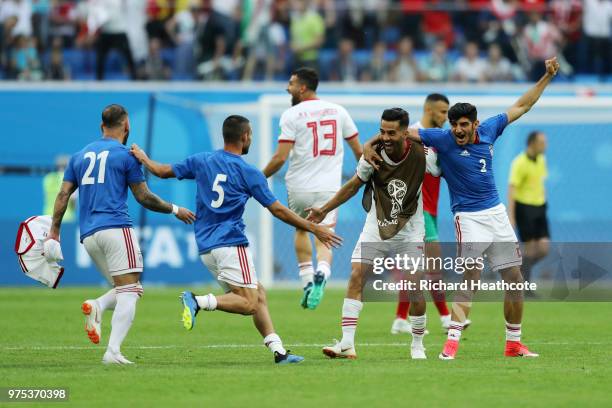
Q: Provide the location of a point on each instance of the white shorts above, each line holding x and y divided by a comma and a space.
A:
231, 266
299, 201
115, 251
488, 233
408, 241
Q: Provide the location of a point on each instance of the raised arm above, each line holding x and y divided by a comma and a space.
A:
151, 201
279, 158
59, 209
529, 98
347, 191
157, 169
324, 234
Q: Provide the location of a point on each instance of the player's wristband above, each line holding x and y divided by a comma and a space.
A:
175, 209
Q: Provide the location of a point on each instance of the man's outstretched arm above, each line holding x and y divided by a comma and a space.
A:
151, 201
157, 169
324, 234
530, 97
279, 158
347, 191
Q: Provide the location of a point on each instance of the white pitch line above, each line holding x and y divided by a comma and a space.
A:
239, 346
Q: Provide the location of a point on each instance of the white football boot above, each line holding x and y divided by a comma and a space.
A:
400, 326
417, 352
93, 320
336, 351
111, 357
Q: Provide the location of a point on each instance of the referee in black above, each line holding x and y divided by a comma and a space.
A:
527, 201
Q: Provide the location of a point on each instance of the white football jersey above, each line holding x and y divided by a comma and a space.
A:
317, 130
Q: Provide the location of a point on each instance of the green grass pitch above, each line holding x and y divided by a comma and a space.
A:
223, 362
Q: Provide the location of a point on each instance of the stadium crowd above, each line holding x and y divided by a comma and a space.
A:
346, 40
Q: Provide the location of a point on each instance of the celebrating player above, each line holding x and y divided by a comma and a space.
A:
224, 184
102, 171
482, 226
394, 224
312, 131
434, 116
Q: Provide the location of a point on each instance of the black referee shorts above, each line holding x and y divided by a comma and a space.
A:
531, 221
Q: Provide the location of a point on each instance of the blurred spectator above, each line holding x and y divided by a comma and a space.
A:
40, 22
7, 23
567, 17
541, 40
212, 46
22, 10
468, 20
411, 20
56, 70
158, 13
24, 60
344, 68
596, 22
360, 20
498, 68
332, 12
495, 34
437, 67
110, 18
156, 68
136, 14
404, 68
376, 70
470, 67
437, 24
181, 29
307, 34
63, 21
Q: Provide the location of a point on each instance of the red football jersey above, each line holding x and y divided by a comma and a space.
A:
431, 193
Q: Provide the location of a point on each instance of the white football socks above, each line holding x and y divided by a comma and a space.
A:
207, 302
350, 314
306, 272
513, 332
107, 301
454, 330
123, 316
274, 343
324, 268
418, 324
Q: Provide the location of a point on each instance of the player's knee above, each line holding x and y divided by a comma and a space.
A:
513, 275
252, 303
543, 248
261, 292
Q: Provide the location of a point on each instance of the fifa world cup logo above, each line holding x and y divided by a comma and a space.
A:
397, 190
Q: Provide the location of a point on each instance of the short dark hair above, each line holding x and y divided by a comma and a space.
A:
396, 115
113, 115
436, 97
533, 135
308, 77
461, 110
234, 127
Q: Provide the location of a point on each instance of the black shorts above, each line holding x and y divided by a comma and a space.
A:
531, 221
